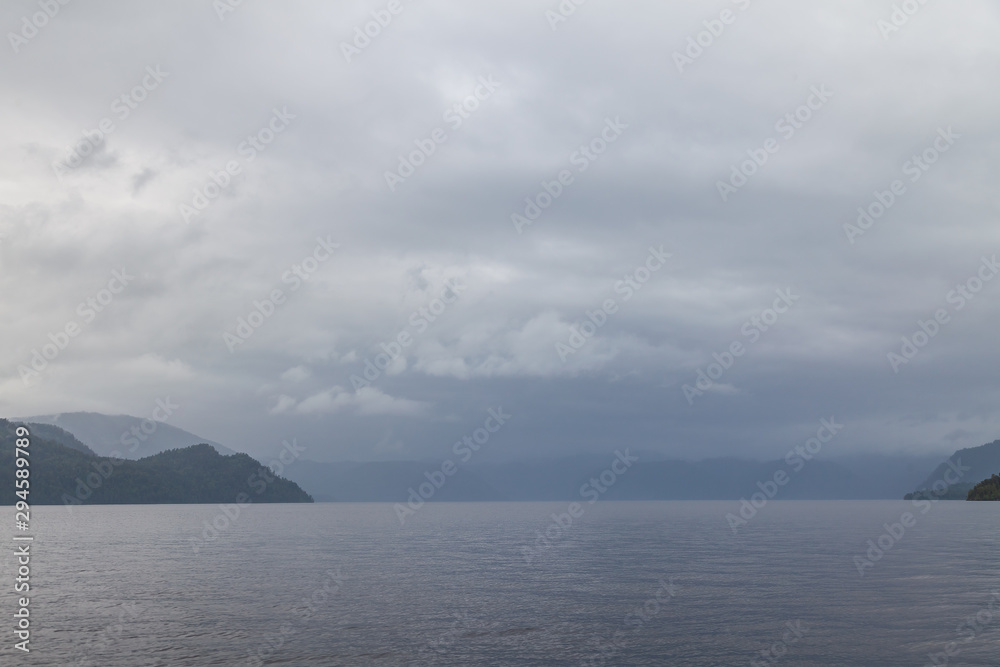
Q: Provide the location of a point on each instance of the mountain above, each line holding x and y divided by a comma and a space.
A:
988, 489
63, 437
124, 436
198, 474
974, 463
868, 478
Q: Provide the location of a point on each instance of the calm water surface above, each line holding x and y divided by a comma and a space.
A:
345, 584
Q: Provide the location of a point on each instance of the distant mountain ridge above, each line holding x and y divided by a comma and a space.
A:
60, 474
868, 477
861, 478
970, 466
124, 436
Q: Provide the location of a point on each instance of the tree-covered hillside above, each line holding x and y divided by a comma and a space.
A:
197, 474
988, 489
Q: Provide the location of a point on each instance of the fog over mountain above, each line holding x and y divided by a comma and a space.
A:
614, 237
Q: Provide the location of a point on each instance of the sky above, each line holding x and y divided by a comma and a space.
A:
567, 213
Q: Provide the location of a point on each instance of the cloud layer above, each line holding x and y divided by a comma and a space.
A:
409, 232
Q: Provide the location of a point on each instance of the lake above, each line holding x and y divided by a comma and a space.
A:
619, 583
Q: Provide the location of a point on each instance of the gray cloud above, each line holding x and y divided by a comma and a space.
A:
324, 176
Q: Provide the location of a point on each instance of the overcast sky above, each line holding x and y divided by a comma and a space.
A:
662, 120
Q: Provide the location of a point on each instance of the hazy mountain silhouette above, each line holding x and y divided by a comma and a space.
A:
123, 436
862, 478
983, 462
60, 475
